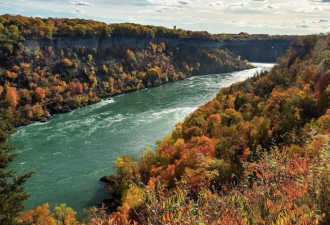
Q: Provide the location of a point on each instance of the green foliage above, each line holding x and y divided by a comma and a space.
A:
64, 215
12, 193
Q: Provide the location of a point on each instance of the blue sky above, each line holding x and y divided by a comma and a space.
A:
224, 16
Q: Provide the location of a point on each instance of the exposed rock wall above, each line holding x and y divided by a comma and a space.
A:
254, 51
104, 43
259, 50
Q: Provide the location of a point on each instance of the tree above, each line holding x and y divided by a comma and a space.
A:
12, 193
66, 62
152, 75
40, 94
64, 215
12, 95
40, 215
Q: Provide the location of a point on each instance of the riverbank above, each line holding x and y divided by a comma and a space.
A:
69, 104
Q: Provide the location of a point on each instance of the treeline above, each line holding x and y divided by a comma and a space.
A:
249, 37
41, 28
258, 153
48, 28
45, 81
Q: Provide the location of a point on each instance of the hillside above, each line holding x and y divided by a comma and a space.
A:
42, 80
258, 153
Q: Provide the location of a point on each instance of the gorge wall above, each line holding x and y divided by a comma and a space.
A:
252, 50
259, 50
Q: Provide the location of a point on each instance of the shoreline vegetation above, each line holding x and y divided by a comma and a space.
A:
257, 153
44, 81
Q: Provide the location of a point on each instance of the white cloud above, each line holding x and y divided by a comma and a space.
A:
252, 16
80, 11
309, 9
303, 26
172, 2
270, 7
218, 4
237, 5
81, 3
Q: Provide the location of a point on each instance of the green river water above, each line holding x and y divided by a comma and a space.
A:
72, 151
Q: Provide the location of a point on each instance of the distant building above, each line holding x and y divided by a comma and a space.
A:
174, 27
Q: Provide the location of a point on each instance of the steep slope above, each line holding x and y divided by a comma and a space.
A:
258, 153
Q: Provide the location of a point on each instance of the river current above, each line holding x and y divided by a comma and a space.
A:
72, 151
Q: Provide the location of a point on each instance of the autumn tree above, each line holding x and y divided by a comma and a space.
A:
39, 216
67, 63
40, 94
64, 215
11, 94
152, 75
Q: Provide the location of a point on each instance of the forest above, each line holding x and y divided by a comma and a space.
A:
47, 81
257, 153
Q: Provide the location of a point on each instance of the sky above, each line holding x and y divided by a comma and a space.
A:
225, 16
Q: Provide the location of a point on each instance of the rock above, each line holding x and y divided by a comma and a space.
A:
106, 179
43, 120
47, 115
111, 202
111, 180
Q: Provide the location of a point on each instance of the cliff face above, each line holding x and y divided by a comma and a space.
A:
254, 51
103, 43
259, 50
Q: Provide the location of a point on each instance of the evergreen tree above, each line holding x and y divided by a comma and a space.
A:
12, 193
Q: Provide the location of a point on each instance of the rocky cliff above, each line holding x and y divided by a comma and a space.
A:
259, 50
252, 50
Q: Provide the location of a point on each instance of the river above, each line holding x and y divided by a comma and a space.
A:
72, 151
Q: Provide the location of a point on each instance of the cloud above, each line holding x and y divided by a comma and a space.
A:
270, 7
323, 1
218, 4
237, 5
309, 9
252, 16
184, 2
172, 2
81, 3
303, 26
80, 11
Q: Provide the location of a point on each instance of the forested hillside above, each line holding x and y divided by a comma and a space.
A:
258, 153
46, 81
